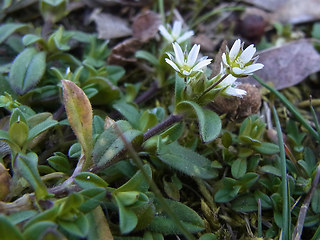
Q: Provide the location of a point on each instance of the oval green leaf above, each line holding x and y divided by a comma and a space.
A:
209, 121
27, 70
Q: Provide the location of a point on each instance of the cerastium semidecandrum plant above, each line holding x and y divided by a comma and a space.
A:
108, 176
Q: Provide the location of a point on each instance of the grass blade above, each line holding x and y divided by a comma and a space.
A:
284, 183
291, 108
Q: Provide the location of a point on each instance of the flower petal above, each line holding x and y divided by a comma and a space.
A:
201, 64
224, 59
172, 64
229, 80
176, 30
179, 54
247, 54
164, 32
237, 70
235, 50
185, 36
193, 55
231, 91
252, 68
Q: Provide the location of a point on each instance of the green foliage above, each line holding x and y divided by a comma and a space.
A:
88, 149
27, 70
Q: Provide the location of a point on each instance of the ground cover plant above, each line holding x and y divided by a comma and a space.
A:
155, 130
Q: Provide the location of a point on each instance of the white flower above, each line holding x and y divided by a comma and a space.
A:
175, 34
229, 87
239, 62
185, 64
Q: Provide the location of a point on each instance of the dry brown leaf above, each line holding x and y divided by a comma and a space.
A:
145, 25
110, 26
297, 11
288, 65
123, 53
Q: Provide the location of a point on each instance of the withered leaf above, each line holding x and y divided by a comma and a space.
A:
145, 25
297, 11
123, 53
288, 65
110, 26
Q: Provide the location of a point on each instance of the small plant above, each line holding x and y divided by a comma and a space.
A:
86, 153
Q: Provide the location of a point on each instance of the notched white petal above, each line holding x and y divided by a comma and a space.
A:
224, 59
252, 68
176, 30
202, 64
231, 91
185, 36
247, 54
179, 54
164, 32
193, 55
172, 64
235, 49
237, 70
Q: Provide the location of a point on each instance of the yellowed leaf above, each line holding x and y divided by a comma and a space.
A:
79, 114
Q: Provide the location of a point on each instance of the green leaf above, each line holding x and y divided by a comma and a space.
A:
228, 191
129, 112
186, 160
271, 169
29, 39
147, 121
239, 168
7, 230
18, 133
109, 144
37, 230
267, 148
27, 70
60, 162
88, 180
41, 127
7, 29
28, 168
78, 227
315, 201
265, 200
92, 198
75, 150
80, 116
128, 219
187, 216
148, 57
115, 73
21, 216
137, 182
245, 203
209, 121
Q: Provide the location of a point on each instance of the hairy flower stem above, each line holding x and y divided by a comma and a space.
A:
213, 86
145, 96
172, 119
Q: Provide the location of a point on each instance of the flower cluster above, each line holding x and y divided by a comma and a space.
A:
175, 33
239, 62
236, 63
187, 65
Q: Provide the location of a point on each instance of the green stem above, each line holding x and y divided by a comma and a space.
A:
161, 10
153, 186
284, 182
290, 107
213, 86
